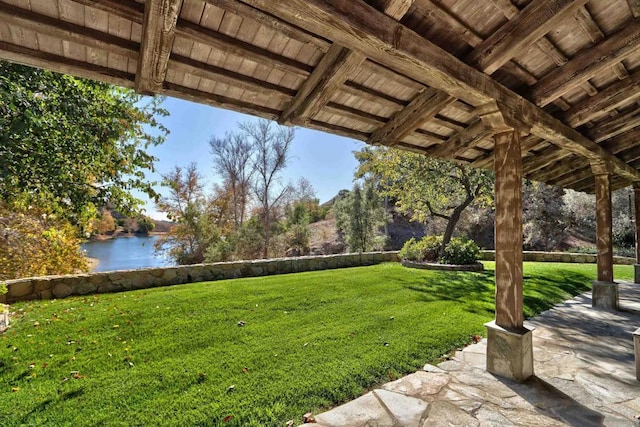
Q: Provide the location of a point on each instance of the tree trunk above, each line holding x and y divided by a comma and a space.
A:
452, 222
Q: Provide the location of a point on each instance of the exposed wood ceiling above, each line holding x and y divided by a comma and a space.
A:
438, 77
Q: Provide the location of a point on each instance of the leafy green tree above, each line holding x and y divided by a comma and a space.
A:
186, 204
71, 145
35, 243
424, 187
359, 214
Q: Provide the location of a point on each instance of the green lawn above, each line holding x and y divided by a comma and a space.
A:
177, 355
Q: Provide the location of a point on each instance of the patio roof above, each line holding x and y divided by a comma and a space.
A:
439, 77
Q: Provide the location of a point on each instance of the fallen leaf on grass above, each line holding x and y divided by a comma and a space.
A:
15, 389
245, 370
227, 418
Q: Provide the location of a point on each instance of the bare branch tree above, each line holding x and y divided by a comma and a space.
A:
271, 147
232, 160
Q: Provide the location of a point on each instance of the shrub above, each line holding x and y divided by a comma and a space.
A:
460, 251
425, 249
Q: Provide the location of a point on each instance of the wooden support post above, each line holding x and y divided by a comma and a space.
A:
636, 203
509, 344
605, 291
508, 233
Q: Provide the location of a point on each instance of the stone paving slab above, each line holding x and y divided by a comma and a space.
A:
584, 376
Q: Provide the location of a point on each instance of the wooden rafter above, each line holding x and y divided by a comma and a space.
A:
67, 30
60, 64
616, 125
610, 98
129, 49
463, 140
331, 73
547, 47
158, 32
532, 23
422, 108
634, 5
543, 159
587, 64
526, 145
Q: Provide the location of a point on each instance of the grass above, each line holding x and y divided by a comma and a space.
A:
177, 355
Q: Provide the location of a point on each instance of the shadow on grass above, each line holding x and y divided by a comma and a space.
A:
42, 406
477, 290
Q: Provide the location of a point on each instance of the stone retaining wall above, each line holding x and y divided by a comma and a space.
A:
83, 284
115, 281
559, 257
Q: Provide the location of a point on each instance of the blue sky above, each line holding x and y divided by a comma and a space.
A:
325, 160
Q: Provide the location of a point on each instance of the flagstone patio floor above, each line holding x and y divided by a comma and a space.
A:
584, 376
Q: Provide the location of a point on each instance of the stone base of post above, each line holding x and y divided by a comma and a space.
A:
509, 352
636, 270
605, 295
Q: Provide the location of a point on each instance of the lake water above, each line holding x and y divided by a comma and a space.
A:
125, 253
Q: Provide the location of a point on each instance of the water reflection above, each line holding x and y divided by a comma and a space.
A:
125, 253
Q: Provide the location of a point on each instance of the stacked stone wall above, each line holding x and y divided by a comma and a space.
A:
115, 281
50, 287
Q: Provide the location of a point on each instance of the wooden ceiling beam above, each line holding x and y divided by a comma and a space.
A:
129, 49
421, 109
544, 45
158, 32
358, 26
68, 31
464, 32
63, 65
587, 64
219, 101
571, 177
461, 141
329, 75
634, 6
135, 12
526, 144
270, 21
559, 169
606, 100
187, 65
543, 159
591, 28
333, 70
615, 126
129, 10
531, 24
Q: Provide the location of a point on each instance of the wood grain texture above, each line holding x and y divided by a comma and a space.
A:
587, 64
605, 101
337, 65
422, 108
604, 225
508, 230
158, 31
533, 22
356, 25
